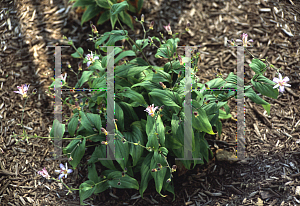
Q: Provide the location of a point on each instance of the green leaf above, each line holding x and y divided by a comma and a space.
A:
140, 5
113, 20
57, 130
92, 173
90, 12
223, 115
135, 151
95, 120
267, 107
158, 176
139, 62
204, 147
122, 151
127, 182
85, 122
104, 3
86, 189
82, 3
117, 8
201, 122
166, 96
78, 53
152, 138
145, 173
100, 152
133, 95
149, 86
72, 126
103, 18
78, 153
119, 115
265, 86
126, 18
254, 97
85, 77
124, 54
257, 66
128, 111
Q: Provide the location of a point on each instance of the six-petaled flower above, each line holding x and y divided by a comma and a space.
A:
64, 171
151, 110
244, 40
23, 90
281, 83
91, 59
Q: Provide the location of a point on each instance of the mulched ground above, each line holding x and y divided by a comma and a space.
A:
269, 175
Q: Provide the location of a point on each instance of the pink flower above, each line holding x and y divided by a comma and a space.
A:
64, 171
64, 78
44, 173
151, 110
281, 83
23, 90
244, 40
168, 29
180, 60
91, 59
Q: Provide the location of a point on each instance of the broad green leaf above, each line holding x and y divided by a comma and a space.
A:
113, 20
265, 86
126, 18
119, 115
57, 130
92, 173
90, 12
166, 96
85, 122
86, 189
103, 18
106, 4
100, 152
78, 153
78, 53
158, 176
122, 151
257, 66
72, 126
82, 3
85, 77
223, 115
127, 182
95, 120
139, 62
117, 8
124, 54
145, 173
201, 122
149, 86
133, 95
135, 151
204, 147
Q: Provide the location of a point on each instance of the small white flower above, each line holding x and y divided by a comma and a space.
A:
151, 110
281, 83
23, 90
64, 171
91, 59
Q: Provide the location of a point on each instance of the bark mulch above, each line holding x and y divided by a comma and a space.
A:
268, 176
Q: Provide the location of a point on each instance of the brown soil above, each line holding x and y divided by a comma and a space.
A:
269, 176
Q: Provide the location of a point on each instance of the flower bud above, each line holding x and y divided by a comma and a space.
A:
162, 84
104, 131
216, 101
208, 101
135, 18
180, 60
179, 74
142, 18
159, 165
153, 170
161, 108
104, 143
123, 174
206, 86
169, 131
169, 180
187, 26
196, 114
174, 167
79, 66
151, 25
94, 29
119, 183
